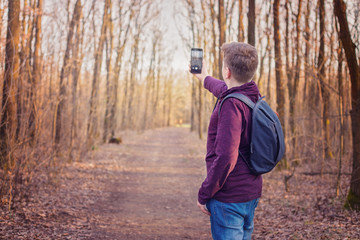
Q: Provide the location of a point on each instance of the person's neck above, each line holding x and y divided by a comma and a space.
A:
233, 83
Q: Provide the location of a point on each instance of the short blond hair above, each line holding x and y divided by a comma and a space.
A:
241, 59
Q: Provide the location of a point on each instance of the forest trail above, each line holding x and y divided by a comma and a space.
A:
146, 188
150, 186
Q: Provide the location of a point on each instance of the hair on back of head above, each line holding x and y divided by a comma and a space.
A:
241, 59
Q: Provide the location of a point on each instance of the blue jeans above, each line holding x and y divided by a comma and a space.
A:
230, 221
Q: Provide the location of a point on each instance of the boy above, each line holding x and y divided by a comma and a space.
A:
230, 192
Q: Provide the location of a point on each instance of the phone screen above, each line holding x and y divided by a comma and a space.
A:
196, 60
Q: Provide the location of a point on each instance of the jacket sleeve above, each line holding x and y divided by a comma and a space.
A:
226, 149
215, 86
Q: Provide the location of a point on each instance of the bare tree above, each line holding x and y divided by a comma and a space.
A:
92, 126
36, 76
280, 83
307, 47
213, 15
251, 23
241, 24
109, 78
353, 199
8, 117
122, 40
65, 71
293, 83
323, 86
222, 30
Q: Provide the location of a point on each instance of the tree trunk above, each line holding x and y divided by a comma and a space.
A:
307, 50
36, 76
76, 68
118, 63
287, 57
251, 23
280, 83
241, 24
222, 29
92, 127
8, 117
133, 70
148, 88
293, 89
353, 200
65, 70
341, 96
325, 95
214, 52
109, 81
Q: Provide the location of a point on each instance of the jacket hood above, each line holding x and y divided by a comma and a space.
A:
249, 89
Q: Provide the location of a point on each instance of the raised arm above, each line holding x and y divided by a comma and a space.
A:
212, 84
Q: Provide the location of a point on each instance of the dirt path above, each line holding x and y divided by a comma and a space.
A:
146, 188
150, 188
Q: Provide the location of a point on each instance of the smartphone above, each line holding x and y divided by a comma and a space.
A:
196, 60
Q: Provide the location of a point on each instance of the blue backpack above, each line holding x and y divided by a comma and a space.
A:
267, 145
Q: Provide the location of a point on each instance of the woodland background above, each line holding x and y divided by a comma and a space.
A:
74, 74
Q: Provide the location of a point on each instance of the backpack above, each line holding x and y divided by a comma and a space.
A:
267, 145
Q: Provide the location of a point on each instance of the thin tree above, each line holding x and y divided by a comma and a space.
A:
325, 96
65, 71
76, 68
8, 124
8, 114
122, 40
340, 99
293, 83
307, 48
353, 199
222, 31
36, 76
92, 128
109, 79
241, 24
213, 16
251, 23
280, 83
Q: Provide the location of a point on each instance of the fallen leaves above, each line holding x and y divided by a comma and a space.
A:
145, 191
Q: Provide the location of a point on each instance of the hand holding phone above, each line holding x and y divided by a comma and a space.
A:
196, 60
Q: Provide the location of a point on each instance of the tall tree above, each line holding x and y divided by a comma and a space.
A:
215, 67
8, 117
36, 75
92, 126
307, 47
325, 96
222, 30
122, 40
65, 70
241, 24
109, 79
294, 82
251, 23
353, 199
280, 83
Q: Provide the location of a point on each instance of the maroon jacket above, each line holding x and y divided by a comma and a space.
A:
228, 177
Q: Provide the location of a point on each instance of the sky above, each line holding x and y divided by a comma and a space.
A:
171, 36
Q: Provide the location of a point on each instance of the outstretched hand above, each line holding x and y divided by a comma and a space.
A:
204, 73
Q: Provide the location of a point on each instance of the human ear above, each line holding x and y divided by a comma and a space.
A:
227, 73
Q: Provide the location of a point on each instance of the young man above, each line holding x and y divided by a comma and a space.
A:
230, 192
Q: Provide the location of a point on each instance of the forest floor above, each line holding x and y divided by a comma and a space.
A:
146, 188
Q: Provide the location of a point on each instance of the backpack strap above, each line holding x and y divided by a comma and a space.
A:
242, 98
245, 100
